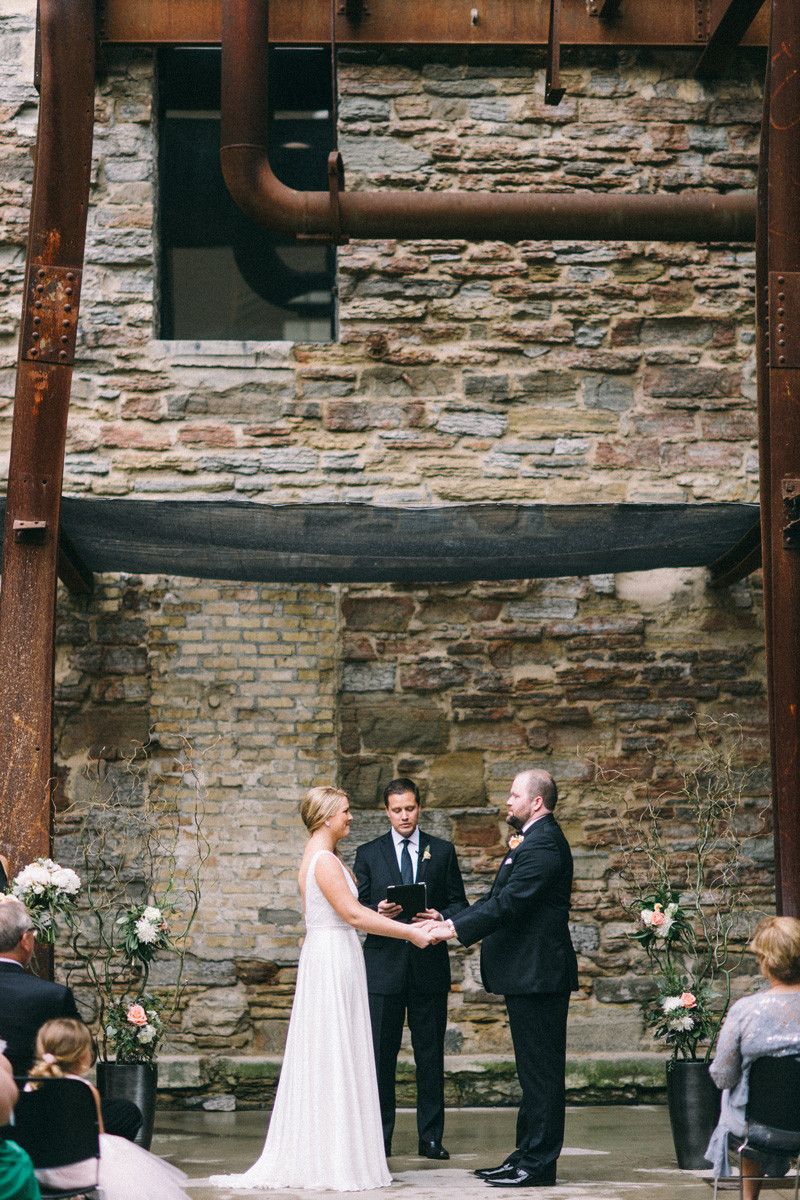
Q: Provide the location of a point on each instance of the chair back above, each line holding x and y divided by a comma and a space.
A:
57, 1123
774, 1092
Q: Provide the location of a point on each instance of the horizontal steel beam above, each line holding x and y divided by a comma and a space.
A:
409, 22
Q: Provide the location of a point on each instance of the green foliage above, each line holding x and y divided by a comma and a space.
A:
134, 1027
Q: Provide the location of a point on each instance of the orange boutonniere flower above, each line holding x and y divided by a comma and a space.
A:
515, 840
426, 856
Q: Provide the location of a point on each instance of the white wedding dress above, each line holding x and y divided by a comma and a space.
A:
325, 1131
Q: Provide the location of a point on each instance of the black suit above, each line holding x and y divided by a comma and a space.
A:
402, 978
528, 957
26, 1002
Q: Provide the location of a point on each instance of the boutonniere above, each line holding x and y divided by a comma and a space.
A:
515, 840
426, 854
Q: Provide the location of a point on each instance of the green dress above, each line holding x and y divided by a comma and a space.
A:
17, 1180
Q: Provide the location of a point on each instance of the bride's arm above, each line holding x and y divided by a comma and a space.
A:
333, 885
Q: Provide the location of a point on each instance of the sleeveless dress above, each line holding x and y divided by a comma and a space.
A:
325, 1130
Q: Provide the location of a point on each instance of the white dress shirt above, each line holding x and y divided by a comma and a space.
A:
413, 848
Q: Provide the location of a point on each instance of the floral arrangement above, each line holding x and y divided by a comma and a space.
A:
683, 1017
134, 1028
145, 930
681, 867
46, 889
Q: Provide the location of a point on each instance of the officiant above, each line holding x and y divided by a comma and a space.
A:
404, 982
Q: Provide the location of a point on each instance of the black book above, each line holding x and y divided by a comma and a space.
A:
412, 896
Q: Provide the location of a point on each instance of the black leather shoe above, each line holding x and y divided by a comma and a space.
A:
387, 1149
522, 1178
490, 1172
432, 1150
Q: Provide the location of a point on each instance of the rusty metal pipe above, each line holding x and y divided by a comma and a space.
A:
509, 216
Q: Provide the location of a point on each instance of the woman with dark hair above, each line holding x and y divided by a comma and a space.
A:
764, 1025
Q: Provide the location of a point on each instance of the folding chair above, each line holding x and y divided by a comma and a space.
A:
772, 1119
57, 1124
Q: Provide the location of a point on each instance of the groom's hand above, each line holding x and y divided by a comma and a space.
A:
388, 909
428, 914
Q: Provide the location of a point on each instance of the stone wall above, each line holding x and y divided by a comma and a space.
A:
570, 371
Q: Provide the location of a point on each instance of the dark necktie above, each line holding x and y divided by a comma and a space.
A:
406, 869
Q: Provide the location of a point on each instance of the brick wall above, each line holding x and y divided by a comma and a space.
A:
543, 371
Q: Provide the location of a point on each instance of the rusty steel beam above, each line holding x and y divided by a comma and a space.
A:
56, 238
778, 323
420, 22
512, 216
726, 36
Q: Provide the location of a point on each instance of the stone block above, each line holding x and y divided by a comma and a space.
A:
623, 989
458, 780
402, 725
364, 779
384, 613
603, 391
217, 1011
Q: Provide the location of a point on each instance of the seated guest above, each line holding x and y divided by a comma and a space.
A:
26, 1002
764, 1025
17, 1180
64, 1050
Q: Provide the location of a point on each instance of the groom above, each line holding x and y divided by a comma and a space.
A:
527, 956
402, 979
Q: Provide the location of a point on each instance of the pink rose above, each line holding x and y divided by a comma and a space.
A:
658, 917
688, 1000
137, 1015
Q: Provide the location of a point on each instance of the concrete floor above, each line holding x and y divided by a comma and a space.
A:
610, 1153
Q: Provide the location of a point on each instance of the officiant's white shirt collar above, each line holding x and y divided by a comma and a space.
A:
398, 840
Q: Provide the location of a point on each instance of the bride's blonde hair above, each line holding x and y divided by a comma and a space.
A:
320, 804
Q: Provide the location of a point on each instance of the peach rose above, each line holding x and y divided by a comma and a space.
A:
658, 917
688, 1000
136, 1015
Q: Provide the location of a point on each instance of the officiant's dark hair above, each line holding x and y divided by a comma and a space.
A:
319, 804
398, 787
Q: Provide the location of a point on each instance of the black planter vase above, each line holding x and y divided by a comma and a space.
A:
694, 1101
136, 1082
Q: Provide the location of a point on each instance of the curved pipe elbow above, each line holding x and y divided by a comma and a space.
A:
261, 196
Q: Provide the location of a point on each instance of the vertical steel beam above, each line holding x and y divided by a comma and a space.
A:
778, 326
56, 240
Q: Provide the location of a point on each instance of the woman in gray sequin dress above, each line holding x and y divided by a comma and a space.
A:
767, 1023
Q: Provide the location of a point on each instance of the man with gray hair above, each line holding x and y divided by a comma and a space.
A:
527, 956
26, 1002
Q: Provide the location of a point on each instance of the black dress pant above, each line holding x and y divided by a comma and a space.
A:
539, 1031
427, 1021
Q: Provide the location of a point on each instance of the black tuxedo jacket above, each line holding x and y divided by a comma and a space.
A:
26, 1002
524, 919
391, 962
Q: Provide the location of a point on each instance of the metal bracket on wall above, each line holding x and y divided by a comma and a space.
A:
784, 320
50, 324
32, 532
606, 10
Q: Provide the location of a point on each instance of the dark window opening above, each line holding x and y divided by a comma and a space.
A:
221, 275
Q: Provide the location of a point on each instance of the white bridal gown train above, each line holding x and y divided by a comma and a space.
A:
325, 1131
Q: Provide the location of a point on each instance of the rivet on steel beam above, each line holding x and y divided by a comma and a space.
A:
781, 279
35, 333
70, 276
40, 274
781, 359
37, 320
65, 339
62, 354
473, 17
67, 308
69, 291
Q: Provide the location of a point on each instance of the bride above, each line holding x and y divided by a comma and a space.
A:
325, 1130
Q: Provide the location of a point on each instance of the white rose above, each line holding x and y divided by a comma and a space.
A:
647, 916
671, 1003
147, 1033
152, 914
146, 932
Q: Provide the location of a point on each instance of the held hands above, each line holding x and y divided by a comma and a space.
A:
429, 933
